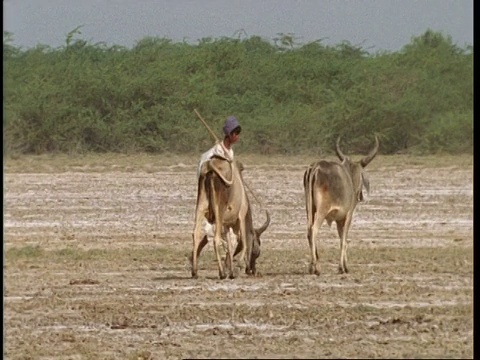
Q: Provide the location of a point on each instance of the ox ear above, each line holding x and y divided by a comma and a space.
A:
366, 183
240, 165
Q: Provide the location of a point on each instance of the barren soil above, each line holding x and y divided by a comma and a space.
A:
95, 264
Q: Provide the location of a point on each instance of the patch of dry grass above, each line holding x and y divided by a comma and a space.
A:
96, 265
152, 163
141, 302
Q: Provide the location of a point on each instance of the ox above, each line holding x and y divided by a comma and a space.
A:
223, 201
332, 191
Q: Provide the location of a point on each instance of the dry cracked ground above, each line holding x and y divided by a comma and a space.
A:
96, 265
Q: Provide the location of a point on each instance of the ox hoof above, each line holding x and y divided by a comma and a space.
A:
314, 270
194, 276
232, 276
240, 268
222, 276
342, 270
254, 273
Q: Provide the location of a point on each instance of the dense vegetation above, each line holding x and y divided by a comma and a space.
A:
290, 98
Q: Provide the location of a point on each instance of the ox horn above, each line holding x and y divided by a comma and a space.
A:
340, 154
366, 160
264, 226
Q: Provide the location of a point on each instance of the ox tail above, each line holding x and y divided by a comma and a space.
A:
308, 185
313, 208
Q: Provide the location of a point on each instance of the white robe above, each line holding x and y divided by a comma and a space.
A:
217, 150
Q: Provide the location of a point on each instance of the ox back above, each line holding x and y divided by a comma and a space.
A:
329, 179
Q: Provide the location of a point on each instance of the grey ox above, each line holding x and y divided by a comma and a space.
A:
332, 191
223, 201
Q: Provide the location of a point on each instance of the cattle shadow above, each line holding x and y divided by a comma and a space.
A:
261, 274
282, 273
185, 278
171, 277
273, 274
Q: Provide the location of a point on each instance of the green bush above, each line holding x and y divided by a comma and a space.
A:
448, 133
290, 98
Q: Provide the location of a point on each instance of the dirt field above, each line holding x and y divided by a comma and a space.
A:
96, 264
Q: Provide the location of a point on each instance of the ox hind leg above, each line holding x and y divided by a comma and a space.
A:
342, 228
198, 246
240, 247
255, 253
229, 255
200, 211
312, 233
217, 244
217, 238
246, 250
253, 258
314, 219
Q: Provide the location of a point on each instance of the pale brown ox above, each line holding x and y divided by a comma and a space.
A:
332, 191
223, 201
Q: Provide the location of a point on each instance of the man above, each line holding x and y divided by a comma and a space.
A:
223, 149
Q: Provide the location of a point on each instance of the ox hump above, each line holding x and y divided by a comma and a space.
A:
223, 168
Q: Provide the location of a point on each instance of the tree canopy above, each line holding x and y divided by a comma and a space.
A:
290, 98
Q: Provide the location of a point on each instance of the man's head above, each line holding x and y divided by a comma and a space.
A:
232, 129
231, 125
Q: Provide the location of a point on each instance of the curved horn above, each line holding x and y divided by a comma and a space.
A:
264, 226
340, 154
364, 162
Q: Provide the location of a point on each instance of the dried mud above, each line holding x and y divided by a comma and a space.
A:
96, 266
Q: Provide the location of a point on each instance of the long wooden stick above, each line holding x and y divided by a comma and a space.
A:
253, 194
206, 125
